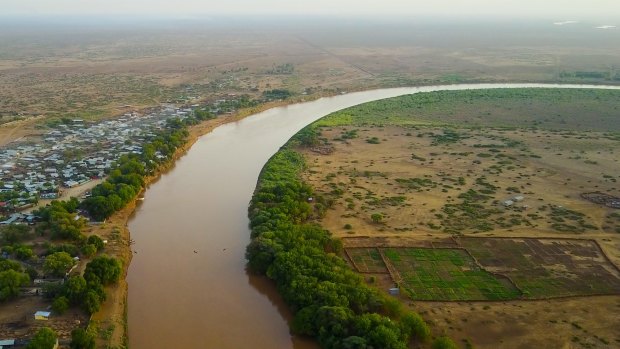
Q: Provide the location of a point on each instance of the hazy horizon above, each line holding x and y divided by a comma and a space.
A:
553, 9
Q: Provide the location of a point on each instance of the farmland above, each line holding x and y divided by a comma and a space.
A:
481, 202
494, 269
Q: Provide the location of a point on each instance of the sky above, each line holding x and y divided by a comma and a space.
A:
559, 9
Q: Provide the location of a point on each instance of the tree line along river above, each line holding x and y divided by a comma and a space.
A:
188, 286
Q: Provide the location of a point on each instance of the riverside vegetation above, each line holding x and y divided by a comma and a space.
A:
439, 168
330, 301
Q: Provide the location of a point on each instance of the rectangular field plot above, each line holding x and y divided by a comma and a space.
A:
367, 260
546, 268
447, 274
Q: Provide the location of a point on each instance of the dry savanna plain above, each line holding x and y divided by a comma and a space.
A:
435, 174
473, 203
102, 68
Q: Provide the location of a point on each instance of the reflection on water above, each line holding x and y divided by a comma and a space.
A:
188, 287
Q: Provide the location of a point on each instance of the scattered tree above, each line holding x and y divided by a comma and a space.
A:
58, 263
376, 217
89, 250
44, 339
60, 305
443, 342
96, 241
82, 339
10, 282
106, 270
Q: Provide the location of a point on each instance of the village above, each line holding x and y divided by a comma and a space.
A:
63, 163
77, 154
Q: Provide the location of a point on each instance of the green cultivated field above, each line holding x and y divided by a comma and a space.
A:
367, 260
539, 268
447, 274
545, 268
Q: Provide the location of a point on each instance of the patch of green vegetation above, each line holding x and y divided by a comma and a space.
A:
571, 221
574, 109
532, 264
416, 183
330, 301
447, 137
447, 274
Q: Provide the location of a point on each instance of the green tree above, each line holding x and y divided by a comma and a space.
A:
23, 253
304, 322
99, 207
443, 342
308, 136
96, 241
91, 302
7, 264
58, 263
60, 305
32, 272
10, 282
44, 339
82, 339
106, 269
14, 233
89, 250
414, 326
75, 288
376, 217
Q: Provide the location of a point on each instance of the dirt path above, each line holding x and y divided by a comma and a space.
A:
14, 130
68, 194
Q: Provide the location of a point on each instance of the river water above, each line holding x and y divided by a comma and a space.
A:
188, 287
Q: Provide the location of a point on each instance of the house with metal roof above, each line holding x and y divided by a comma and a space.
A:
42, 315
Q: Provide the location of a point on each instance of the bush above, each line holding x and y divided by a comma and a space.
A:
58, 263
104, 269
95, 241
44, 339
10, 282
60, 305
89, 250
82, 339
413, 325
443, 342
376, 217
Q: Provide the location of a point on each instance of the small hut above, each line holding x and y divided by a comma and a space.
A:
42, 315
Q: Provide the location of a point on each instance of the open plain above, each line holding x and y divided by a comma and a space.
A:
471, 202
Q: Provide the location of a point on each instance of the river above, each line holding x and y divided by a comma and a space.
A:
188, 287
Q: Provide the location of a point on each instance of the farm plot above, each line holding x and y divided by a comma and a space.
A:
367, 260
547, 268
447, 274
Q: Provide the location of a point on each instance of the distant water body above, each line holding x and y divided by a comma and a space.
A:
188, 287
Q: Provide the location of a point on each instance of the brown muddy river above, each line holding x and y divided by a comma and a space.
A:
188, 287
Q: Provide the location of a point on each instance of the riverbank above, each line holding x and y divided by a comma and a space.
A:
112, 317
283, 125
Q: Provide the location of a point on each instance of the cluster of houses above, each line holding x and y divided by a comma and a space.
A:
72, 154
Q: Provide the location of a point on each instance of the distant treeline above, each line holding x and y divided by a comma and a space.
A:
591, 75
331, 302
277, 94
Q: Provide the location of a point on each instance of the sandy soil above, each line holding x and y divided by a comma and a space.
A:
15, 130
